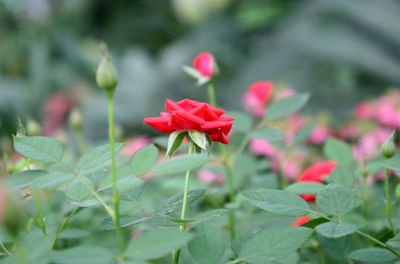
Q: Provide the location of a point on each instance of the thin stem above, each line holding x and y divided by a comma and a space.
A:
388, 204
116, 198
376, 241
365, 199
182, 226
211, 94
39, 211
4, 248
61, 228
80, 142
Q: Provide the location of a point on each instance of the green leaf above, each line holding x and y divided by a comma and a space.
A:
86, 203
338, 151
271, 245
242, 122
39, 148
23, 179
242, 239
286, 106
394, 242
392, 163
305, 187
335, 230
144, 159
303, 134
208, 246
335, 200
73, 233
175, 140
96, 159
268, 133
129, 184
157, 243
83, 255
279, 202
212, 216
342, 176
315, 222
174, 203
181, 164
373, 255
77, 191
124, 221
199, 138
51, 179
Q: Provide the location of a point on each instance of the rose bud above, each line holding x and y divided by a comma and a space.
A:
204, 68
388, 148
75, 119
33, 128
106, 75
257, 97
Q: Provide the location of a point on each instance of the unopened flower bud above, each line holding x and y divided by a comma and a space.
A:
33, 128
106, 75
388, 148
75, 119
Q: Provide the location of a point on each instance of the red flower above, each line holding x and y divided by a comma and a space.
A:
301, 220
205, 64
257, 96
316, 173
188, 115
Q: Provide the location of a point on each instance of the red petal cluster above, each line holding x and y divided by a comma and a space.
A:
188, 115
301, 220
204, 63
316, 173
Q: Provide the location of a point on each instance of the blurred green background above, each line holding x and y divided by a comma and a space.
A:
342, 51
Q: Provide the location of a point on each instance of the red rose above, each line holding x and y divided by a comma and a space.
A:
257, 96
205, 64
301, 220
316, 173
188, 115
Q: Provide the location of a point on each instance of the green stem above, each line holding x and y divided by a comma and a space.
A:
116, 198
61, 228
39, 211
182, 226
388, 204
365, 199
211, 94
80, 141
4, 248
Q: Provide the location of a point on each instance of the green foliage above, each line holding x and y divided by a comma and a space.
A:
83, 255
286, 106
144, 159
335, 230
268, 133
181, 164
39, 148
78, 190
174, 203
335, 200
157, 243
208, 246
96, 159
25, 178
373, 255
305, 187
338, 151
279, 202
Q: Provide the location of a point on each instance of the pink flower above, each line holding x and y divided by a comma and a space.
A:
261, 147
256, 97
135, 144
56, 110
319, 135
291, 169
386, 114
208, 177
280, 94
205, 64
363, 111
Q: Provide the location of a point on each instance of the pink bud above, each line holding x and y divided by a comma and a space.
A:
261, 147
208, 177
135, 144
319, 135
257, 96
205, 64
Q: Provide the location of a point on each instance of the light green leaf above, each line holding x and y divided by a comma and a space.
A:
83, 255
268, 133
242, 122
77, 191
39, 148
212, 216
199, 138
373, 256
144, 159
125, 220
335, 230
286, 106
96, 159
208, 246
305, 187
303, 134
343, 176
157, 243
23, 179
338, 151
242, 239
174, 203
279, 202
181, 164
335, 200
51, 179
392, 163
175, 140
394, 242
129, 184
271, 245
73, 233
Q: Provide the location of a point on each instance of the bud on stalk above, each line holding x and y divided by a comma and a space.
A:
388, 148
106, 75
